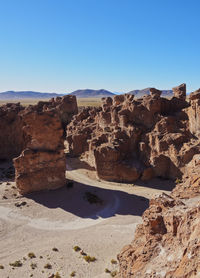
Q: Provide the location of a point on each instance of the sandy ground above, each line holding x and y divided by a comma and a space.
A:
64, 218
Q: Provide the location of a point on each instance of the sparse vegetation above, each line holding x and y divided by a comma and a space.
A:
76, 248
177, 181
89, 259
57, 275
73, 274
107, 270
33, 266
31, 255
113, 273
16, 264
113, 261
92, 198
94, 102
1, 266
48, 266
19, 205
55, 249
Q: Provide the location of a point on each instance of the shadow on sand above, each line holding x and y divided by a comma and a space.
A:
158, 183
73, 200
7, 171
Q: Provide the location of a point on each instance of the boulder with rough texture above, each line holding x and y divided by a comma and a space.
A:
42, 164
155, 93
65, 106
40, 170
180, 91
194, 113
167, 243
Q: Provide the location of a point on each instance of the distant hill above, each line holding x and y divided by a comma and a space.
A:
118, 93
141, 93
27, 94
85, 93
89, 93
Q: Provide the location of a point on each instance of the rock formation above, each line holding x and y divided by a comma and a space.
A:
127, 139
37, 132
11, 135
167, 243
194, 113
42, 163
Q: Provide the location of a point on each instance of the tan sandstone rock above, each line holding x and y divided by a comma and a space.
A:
147, 137
167, 243
42, 164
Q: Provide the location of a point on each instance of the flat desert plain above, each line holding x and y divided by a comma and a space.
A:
32, 101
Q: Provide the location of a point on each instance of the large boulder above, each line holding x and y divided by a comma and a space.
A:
180, 91
42, 164
40, 170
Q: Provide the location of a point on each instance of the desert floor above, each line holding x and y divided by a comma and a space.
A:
63, 218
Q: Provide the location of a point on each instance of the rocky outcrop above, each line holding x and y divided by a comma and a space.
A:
37, 133
191, 186
65, 106
127, 139
11, 135
180, 91
167, 243
194, 113
42, 163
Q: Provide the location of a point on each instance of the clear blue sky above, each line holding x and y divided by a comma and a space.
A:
119, 45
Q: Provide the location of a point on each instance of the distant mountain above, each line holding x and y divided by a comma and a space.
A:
27, 94
118, 93
141, 93
86, 93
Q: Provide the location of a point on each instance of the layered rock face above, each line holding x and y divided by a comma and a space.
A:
37, 132
167, 243
11, 135
194, 113
127, 139
42, 163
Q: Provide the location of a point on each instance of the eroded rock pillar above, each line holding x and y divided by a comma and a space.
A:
42, 164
